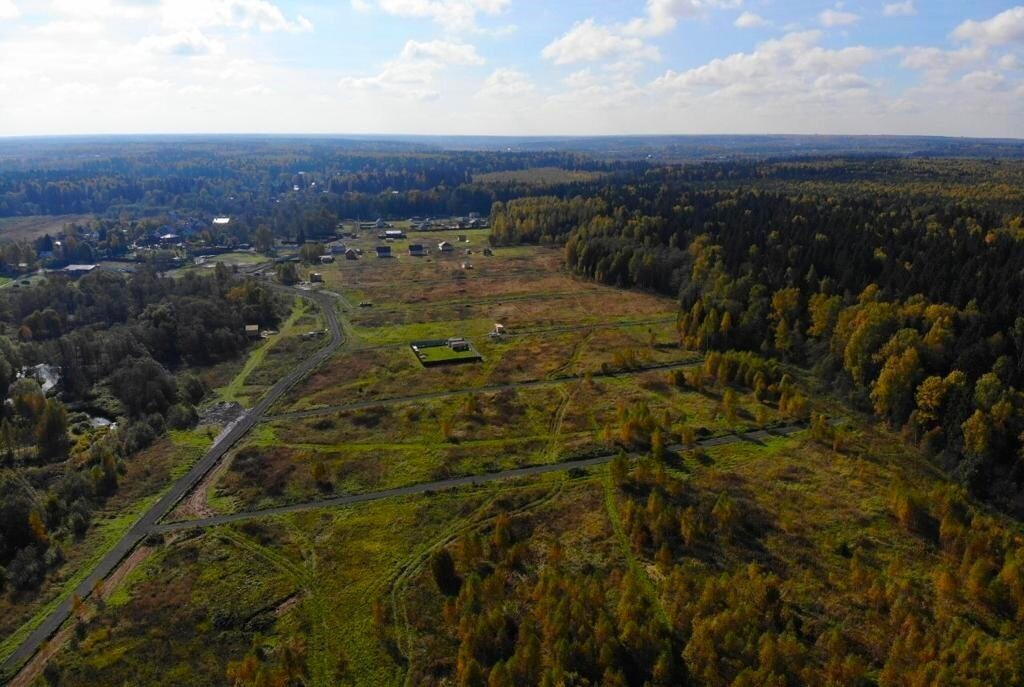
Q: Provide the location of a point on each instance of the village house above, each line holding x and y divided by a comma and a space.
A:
316, 278
417, 250
252, 331
326, 259
75, 271
445, 247
383, 251
351, 254
458, 344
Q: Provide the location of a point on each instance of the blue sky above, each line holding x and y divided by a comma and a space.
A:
512, 66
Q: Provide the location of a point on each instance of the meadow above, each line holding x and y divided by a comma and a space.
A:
823, 534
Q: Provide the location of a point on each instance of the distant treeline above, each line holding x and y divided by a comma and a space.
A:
226, 178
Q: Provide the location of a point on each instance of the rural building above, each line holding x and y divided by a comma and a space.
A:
467, 265
498, 332
445, 247
252, 331
351, 254
221, 221
394, 234
383, 251
488, 251
417, 250
326, 259
316, 278
76, 271
336, 248
458, 344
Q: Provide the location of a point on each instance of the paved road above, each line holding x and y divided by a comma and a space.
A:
490, 388
180, 488
455, 482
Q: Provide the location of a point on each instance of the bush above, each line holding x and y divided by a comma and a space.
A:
192, 389
182, 416
138, 436
27, 570
443, 568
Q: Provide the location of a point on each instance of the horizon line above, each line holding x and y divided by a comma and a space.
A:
379, 135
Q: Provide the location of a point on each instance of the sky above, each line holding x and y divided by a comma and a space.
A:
512, 67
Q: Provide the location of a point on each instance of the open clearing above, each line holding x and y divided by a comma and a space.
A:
34, 226
348, 589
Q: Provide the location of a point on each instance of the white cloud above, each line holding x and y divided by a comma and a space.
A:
661, 16
1005, 27
749, 20
258, 90
97, 9
185, 15
937, 63
414, 74
588, 41
135, 85
190, 43
443, 51
790, 68
506, 82
453, 15
1009, 63
8, 10
983, 80
834, 18
900, 9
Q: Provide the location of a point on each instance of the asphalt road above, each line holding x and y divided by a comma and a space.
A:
755, 436
183, 486
491, 388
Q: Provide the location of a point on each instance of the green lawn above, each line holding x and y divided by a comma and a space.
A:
435, 355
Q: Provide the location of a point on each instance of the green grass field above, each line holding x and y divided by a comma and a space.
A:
442, 354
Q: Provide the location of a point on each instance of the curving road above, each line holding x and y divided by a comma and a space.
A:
180, 488
454, 482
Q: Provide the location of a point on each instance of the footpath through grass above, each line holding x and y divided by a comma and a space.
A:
233, 391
